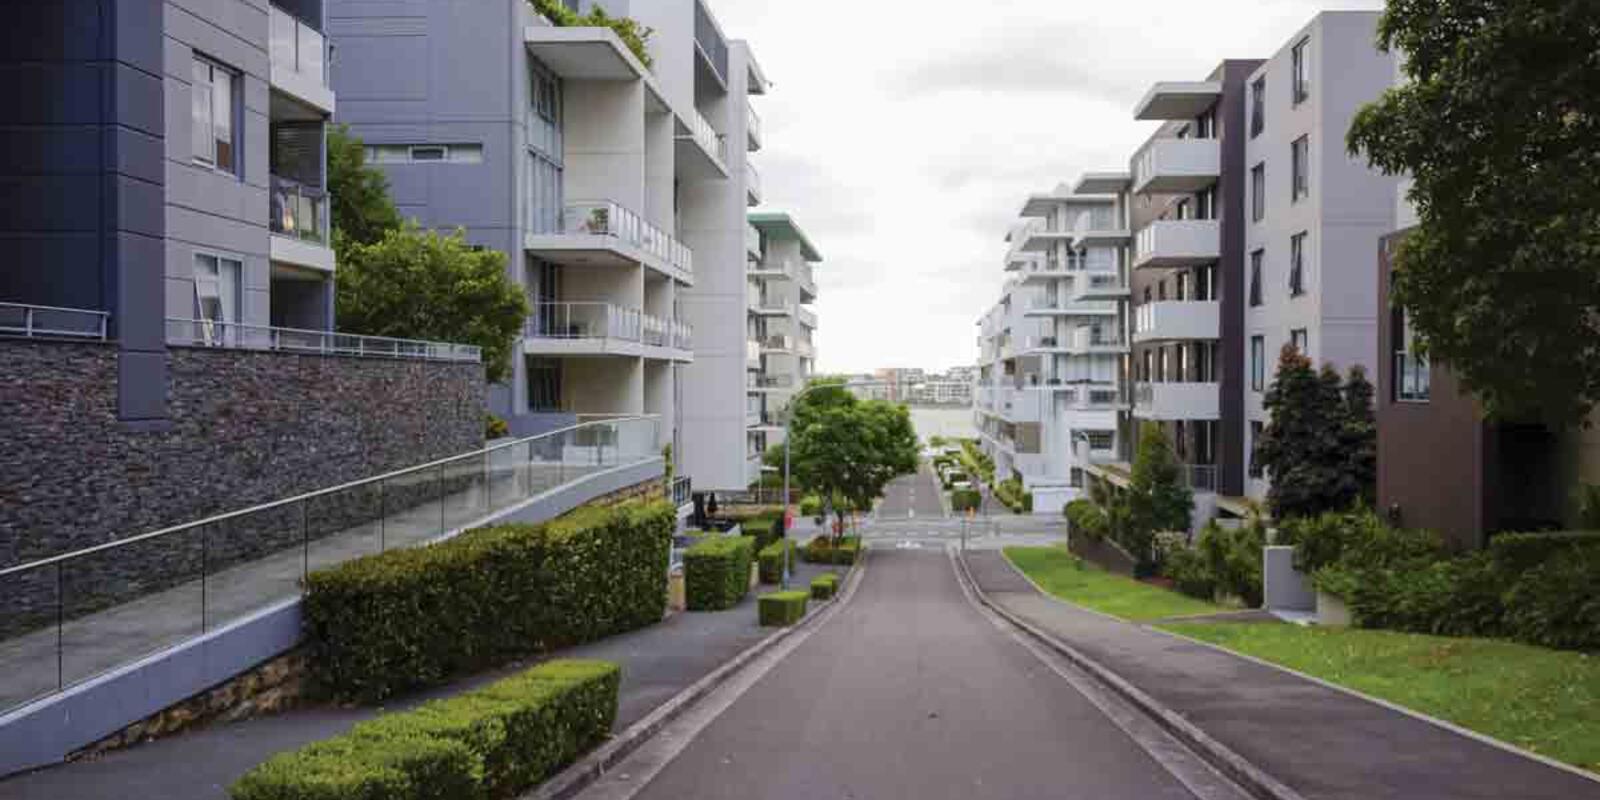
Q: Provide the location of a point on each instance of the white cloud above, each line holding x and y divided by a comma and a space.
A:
903, 136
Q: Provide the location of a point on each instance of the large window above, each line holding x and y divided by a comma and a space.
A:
542, 189
544, 384
1411, 376
1256, 257
1256, 429
216, 298
1258, 110
1302, 71
1258, 363
1297, 264
214, 104
1258, 192
1300, 169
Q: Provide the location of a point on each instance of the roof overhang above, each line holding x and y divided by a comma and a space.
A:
1171, 100
1097, 183
780, 224
757, 82
589, 54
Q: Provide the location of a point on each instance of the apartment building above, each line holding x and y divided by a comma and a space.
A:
780, 351
617, 188
1250, 222
1048, 387
179, 201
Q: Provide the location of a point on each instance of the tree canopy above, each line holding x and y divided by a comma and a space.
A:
418, 284
361, 209
1158, 497
1497, 125
850, 448
1319, 446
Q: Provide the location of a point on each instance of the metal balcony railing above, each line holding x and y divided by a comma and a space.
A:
233, 335
701, 130
293, 44
753, 121
161, 589
609, 218
772, 381
606, 321
31, 321
298, 210
752, 180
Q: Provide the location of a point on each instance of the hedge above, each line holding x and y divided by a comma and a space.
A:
416, 617
716, 573
782, 608
824, 586
1521, 551
821, 550
963, 499
764, 528
491, 743
770, 560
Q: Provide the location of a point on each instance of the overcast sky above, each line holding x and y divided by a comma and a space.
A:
903, 136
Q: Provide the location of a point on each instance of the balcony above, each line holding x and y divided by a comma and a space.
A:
806, 281
1098, 286
752, 354
701, 149
804, 349
1177, 100
1091, 340
752, 129
298, 218
1020, 405
1043, 306
1167, 320
760, 383
752, 184
1099, 227
49, 322
236, 336
1173, 166
1175, 401
1177, 243
605, 233
601, 329
778, 344
752, 241
298, 55
807, 317
772, 306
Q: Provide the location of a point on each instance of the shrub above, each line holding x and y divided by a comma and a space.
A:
810, 506
414, 617
1522, 551
770, 560
1557, 604
1011, 493
1233, 556
823, 550
1190, 573
763, 527
495, 427
494, 742
824, 586
782, 608
1086, 518
716, 573
965, 499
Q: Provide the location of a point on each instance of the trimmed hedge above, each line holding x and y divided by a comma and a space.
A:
416, 617
716, 573
964, 499
782, 608
824, 586
491, 743
821, 550
770, 560
763, 528
1521, 551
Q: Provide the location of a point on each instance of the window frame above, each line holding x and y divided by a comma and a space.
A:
1258, 192
1300, 168
1411, 369
234, 100
1258, 259
1300, 71
1258, 363
1300, 339
226, 292
1257, 429
1297, 264
1258, 106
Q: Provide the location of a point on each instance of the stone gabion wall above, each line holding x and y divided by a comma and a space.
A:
247, 428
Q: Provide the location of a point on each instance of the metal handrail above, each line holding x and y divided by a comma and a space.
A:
29, 328
240, 336
301, 498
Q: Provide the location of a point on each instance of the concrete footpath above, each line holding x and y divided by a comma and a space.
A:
1322, 743
657, 663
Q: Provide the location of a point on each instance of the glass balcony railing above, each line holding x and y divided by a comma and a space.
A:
607, 218
606, 321
299, 211
296, 46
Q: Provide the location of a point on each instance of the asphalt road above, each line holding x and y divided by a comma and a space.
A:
912, 496
911, 693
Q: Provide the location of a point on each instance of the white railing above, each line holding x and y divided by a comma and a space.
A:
296, 45
752, 241
584, 320
753, 120
807, 317
752, 180
19, 319
233, 335
701, 131
609, 218
804, 276
778, 342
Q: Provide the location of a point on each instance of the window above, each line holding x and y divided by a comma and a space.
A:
1258, 110
1256, 429
1302, 72
1258, 363
1205, 203
1297, 264
1300, 169
1258, 192
1182, 286
214, 104
1301, 341
216, 298
430, 152
1205, 125
544, 384
1256, 258
1411, 375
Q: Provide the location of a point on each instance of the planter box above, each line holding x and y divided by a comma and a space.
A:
1284, 587
1332, 611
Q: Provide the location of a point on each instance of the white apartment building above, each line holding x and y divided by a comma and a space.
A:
617, 188
1048, 387
780, 352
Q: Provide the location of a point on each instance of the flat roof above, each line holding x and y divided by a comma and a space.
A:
1177, 100
781, 223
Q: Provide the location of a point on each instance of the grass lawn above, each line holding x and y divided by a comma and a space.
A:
1547, 701
1072, 579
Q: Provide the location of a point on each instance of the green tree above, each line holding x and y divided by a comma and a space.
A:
362, 211
1302, 446
1360, 440
416, 284
1158, 499
851, 449
1497, 126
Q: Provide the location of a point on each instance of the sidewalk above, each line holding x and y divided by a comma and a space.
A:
657, 663
1322, 743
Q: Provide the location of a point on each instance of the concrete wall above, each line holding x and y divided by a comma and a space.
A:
246, 428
